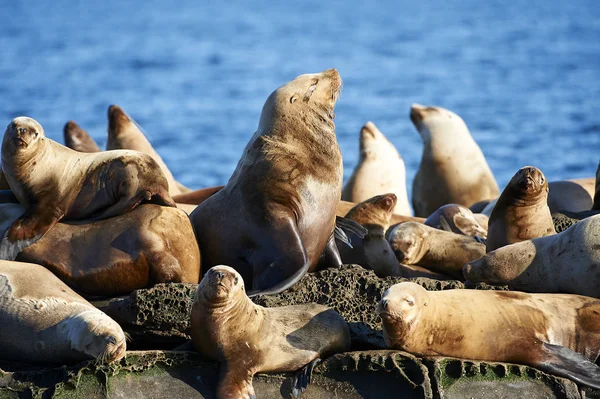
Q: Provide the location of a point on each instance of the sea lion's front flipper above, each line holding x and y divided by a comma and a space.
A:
330, 258
281, 264
235, 382
302, 378
26, 230
344, 225
467, 227
565, 362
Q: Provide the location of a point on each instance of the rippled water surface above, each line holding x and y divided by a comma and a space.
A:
524, 75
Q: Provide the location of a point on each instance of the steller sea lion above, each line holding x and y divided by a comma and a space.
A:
566, 262
283, 193
44, 321
151, 244
438, 250
380, 170
246, 338
78, 139
457, 219
453, 169
54, 182
521, 212
559, 334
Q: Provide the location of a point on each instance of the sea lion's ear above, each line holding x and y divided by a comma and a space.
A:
293, 98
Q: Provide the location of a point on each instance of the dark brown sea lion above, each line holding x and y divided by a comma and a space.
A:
44, 321
151, 244
54, 182
246, 338
559, 334
521, 212
283, 194
596, 204
78, 139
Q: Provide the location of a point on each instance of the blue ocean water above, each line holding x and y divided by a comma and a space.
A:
524, 75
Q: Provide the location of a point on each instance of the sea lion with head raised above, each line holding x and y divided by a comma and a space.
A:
566, 262
44, 321
283, 194
453, 169
380, 170
246, 338
78, 139
438, 250
125, 134
151, 244
457, 219
54, 182
521, 212
559, 334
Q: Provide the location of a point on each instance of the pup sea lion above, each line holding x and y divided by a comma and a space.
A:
559, 334
246, 338
125, 134
78, 139
283, 193
521, 212
372, 251
380, 170
566, 262
438, 250
453, 169
54, 182
457, 219
151, 244
44, 321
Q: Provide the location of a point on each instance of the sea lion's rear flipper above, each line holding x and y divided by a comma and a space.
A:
344, 225
565, 362
302, 378
26, 230
281, 264
330, 258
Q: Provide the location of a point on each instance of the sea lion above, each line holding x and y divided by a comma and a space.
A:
438, 250
372, 251
246, 338
559, 334
44, 321
596, 204
283, 193
78, 139
566, 262
453, 169
521, 212
54, 182
125, 134
565, 195
380, 170
457, 219
151, 244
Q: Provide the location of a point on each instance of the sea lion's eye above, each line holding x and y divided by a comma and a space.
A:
236, 280
541, 180
410, 302
35, 134
294, 98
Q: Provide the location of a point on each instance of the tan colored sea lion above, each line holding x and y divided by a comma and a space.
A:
78, 139
521, 212
380, 170
559, 334
125, 134
372, 251
438, 250
457, 219
283, 193
151, 244
567, 262
453, 169
44, 321
54, 182
246, 338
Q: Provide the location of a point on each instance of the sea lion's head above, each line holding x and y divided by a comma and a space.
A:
399, 307
22, 134
317, 93
407, 242
220, 284
430, 120
456, 219
372, 142
376, 210
529, 181
97, 335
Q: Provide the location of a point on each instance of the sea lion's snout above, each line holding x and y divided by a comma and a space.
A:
417, 114
389, 201
368, 131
